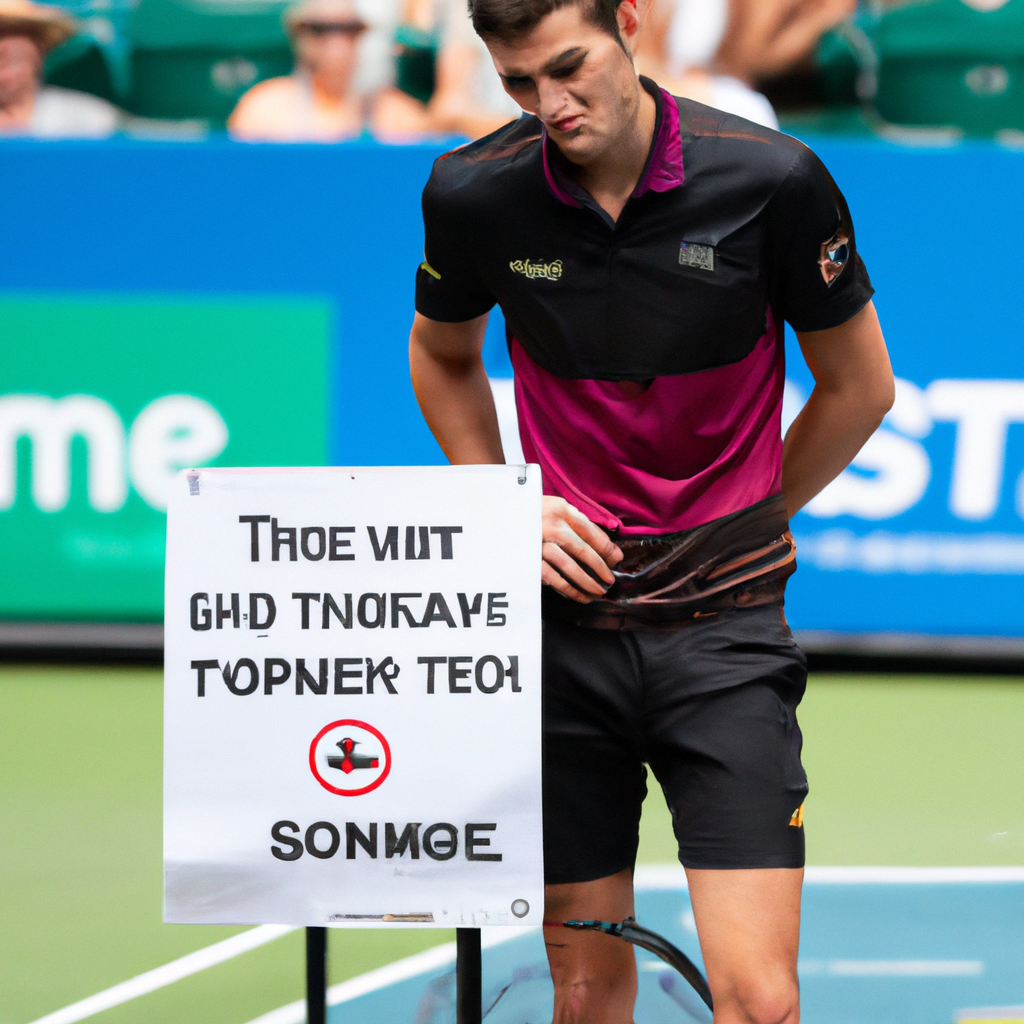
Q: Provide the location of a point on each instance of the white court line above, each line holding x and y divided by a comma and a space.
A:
993, 1013
149, 981
400, 970
894, 968
871, 968
652, 877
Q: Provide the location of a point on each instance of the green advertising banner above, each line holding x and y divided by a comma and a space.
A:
103, 400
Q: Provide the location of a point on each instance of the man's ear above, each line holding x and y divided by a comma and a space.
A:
628, 18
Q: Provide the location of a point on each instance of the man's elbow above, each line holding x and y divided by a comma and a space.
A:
880, 398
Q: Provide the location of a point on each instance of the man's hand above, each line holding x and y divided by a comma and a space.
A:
570, 539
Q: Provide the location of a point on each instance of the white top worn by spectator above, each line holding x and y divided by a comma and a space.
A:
28, 31
694, 35
66, 114
482, 86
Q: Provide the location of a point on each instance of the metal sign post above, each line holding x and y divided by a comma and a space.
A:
468, 970
316, 976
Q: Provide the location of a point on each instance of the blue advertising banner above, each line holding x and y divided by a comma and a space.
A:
924, 534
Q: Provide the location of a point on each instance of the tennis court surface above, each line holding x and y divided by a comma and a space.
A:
913, 946
926, 773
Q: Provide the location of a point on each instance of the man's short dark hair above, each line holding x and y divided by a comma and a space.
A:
512, 19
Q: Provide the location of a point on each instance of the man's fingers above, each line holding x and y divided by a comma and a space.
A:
557, 559
562, 535
553, 579
593, 535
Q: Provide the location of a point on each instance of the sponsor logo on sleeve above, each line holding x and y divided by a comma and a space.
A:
835, 254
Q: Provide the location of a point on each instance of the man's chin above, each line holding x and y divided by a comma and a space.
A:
579, 146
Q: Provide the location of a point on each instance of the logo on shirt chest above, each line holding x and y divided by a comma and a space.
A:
537, 269
700, 256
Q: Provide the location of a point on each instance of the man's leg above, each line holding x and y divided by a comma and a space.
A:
748, 922
594, 974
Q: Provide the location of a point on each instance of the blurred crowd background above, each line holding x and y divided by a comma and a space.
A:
402, 71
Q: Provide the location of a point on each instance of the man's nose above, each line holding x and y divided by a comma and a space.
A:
550, 99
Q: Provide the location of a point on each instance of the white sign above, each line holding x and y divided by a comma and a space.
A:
352, 729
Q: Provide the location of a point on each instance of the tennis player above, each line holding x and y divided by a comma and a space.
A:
646, 252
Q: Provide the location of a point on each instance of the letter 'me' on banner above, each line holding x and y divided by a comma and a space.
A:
352, 697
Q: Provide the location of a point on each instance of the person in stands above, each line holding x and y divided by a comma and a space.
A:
718, 52
317, 101
28, 32
458, 91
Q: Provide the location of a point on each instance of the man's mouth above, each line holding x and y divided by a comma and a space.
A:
567, 124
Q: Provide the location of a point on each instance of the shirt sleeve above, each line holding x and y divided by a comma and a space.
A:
448, 285
819, 280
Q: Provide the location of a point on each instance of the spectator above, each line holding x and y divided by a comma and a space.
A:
678, 46
718, 51
467, 98
767, 38
317, 101
28, 31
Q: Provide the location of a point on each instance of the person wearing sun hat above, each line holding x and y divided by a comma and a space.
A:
317, 101
28, 32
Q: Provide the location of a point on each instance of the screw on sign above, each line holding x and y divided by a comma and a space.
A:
349, 757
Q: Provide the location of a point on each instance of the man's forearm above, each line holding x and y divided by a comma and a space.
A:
821, 443
456, 401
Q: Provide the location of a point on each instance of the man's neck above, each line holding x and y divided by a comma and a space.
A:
613, 176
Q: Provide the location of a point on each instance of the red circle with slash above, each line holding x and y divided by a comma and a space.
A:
349, 762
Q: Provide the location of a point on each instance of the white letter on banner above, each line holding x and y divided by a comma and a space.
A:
50, 424
172, 433
900, 466
982, 411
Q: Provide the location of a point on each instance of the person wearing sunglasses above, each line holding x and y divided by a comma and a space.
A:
317, 101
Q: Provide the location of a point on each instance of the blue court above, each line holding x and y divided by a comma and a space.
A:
873, 952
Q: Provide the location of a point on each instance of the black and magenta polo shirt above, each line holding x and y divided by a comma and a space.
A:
732, 230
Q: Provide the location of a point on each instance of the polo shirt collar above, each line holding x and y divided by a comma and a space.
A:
662, 171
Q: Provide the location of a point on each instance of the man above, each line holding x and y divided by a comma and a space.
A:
29, 31
645, 252
316, 103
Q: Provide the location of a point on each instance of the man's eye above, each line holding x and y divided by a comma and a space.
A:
568, 71
517, 83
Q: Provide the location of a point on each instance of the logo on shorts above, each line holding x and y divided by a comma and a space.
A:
537, 269
797, 821
702, 257
835, 254
349, 757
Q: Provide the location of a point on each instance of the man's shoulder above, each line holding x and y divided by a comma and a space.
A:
714, 140
489, 169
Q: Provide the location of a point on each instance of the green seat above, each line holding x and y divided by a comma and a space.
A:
942, 62
195, 58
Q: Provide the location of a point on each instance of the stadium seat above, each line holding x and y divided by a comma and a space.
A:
195, 58
953, 62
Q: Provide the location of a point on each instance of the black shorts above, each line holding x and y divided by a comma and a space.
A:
710, 705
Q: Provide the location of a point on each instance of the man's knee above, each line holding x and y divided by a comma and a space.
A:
756, 1001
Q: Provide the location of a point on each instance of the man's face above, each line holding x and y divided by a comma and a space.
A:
20, 62
575, 77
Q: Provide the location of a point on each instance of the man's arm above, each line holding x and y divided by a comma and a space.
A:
451, 387
455, 398
853, 390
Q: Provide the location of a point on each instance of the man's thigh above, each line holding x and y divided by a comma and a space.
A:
594, 777
748, 922
723, 740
